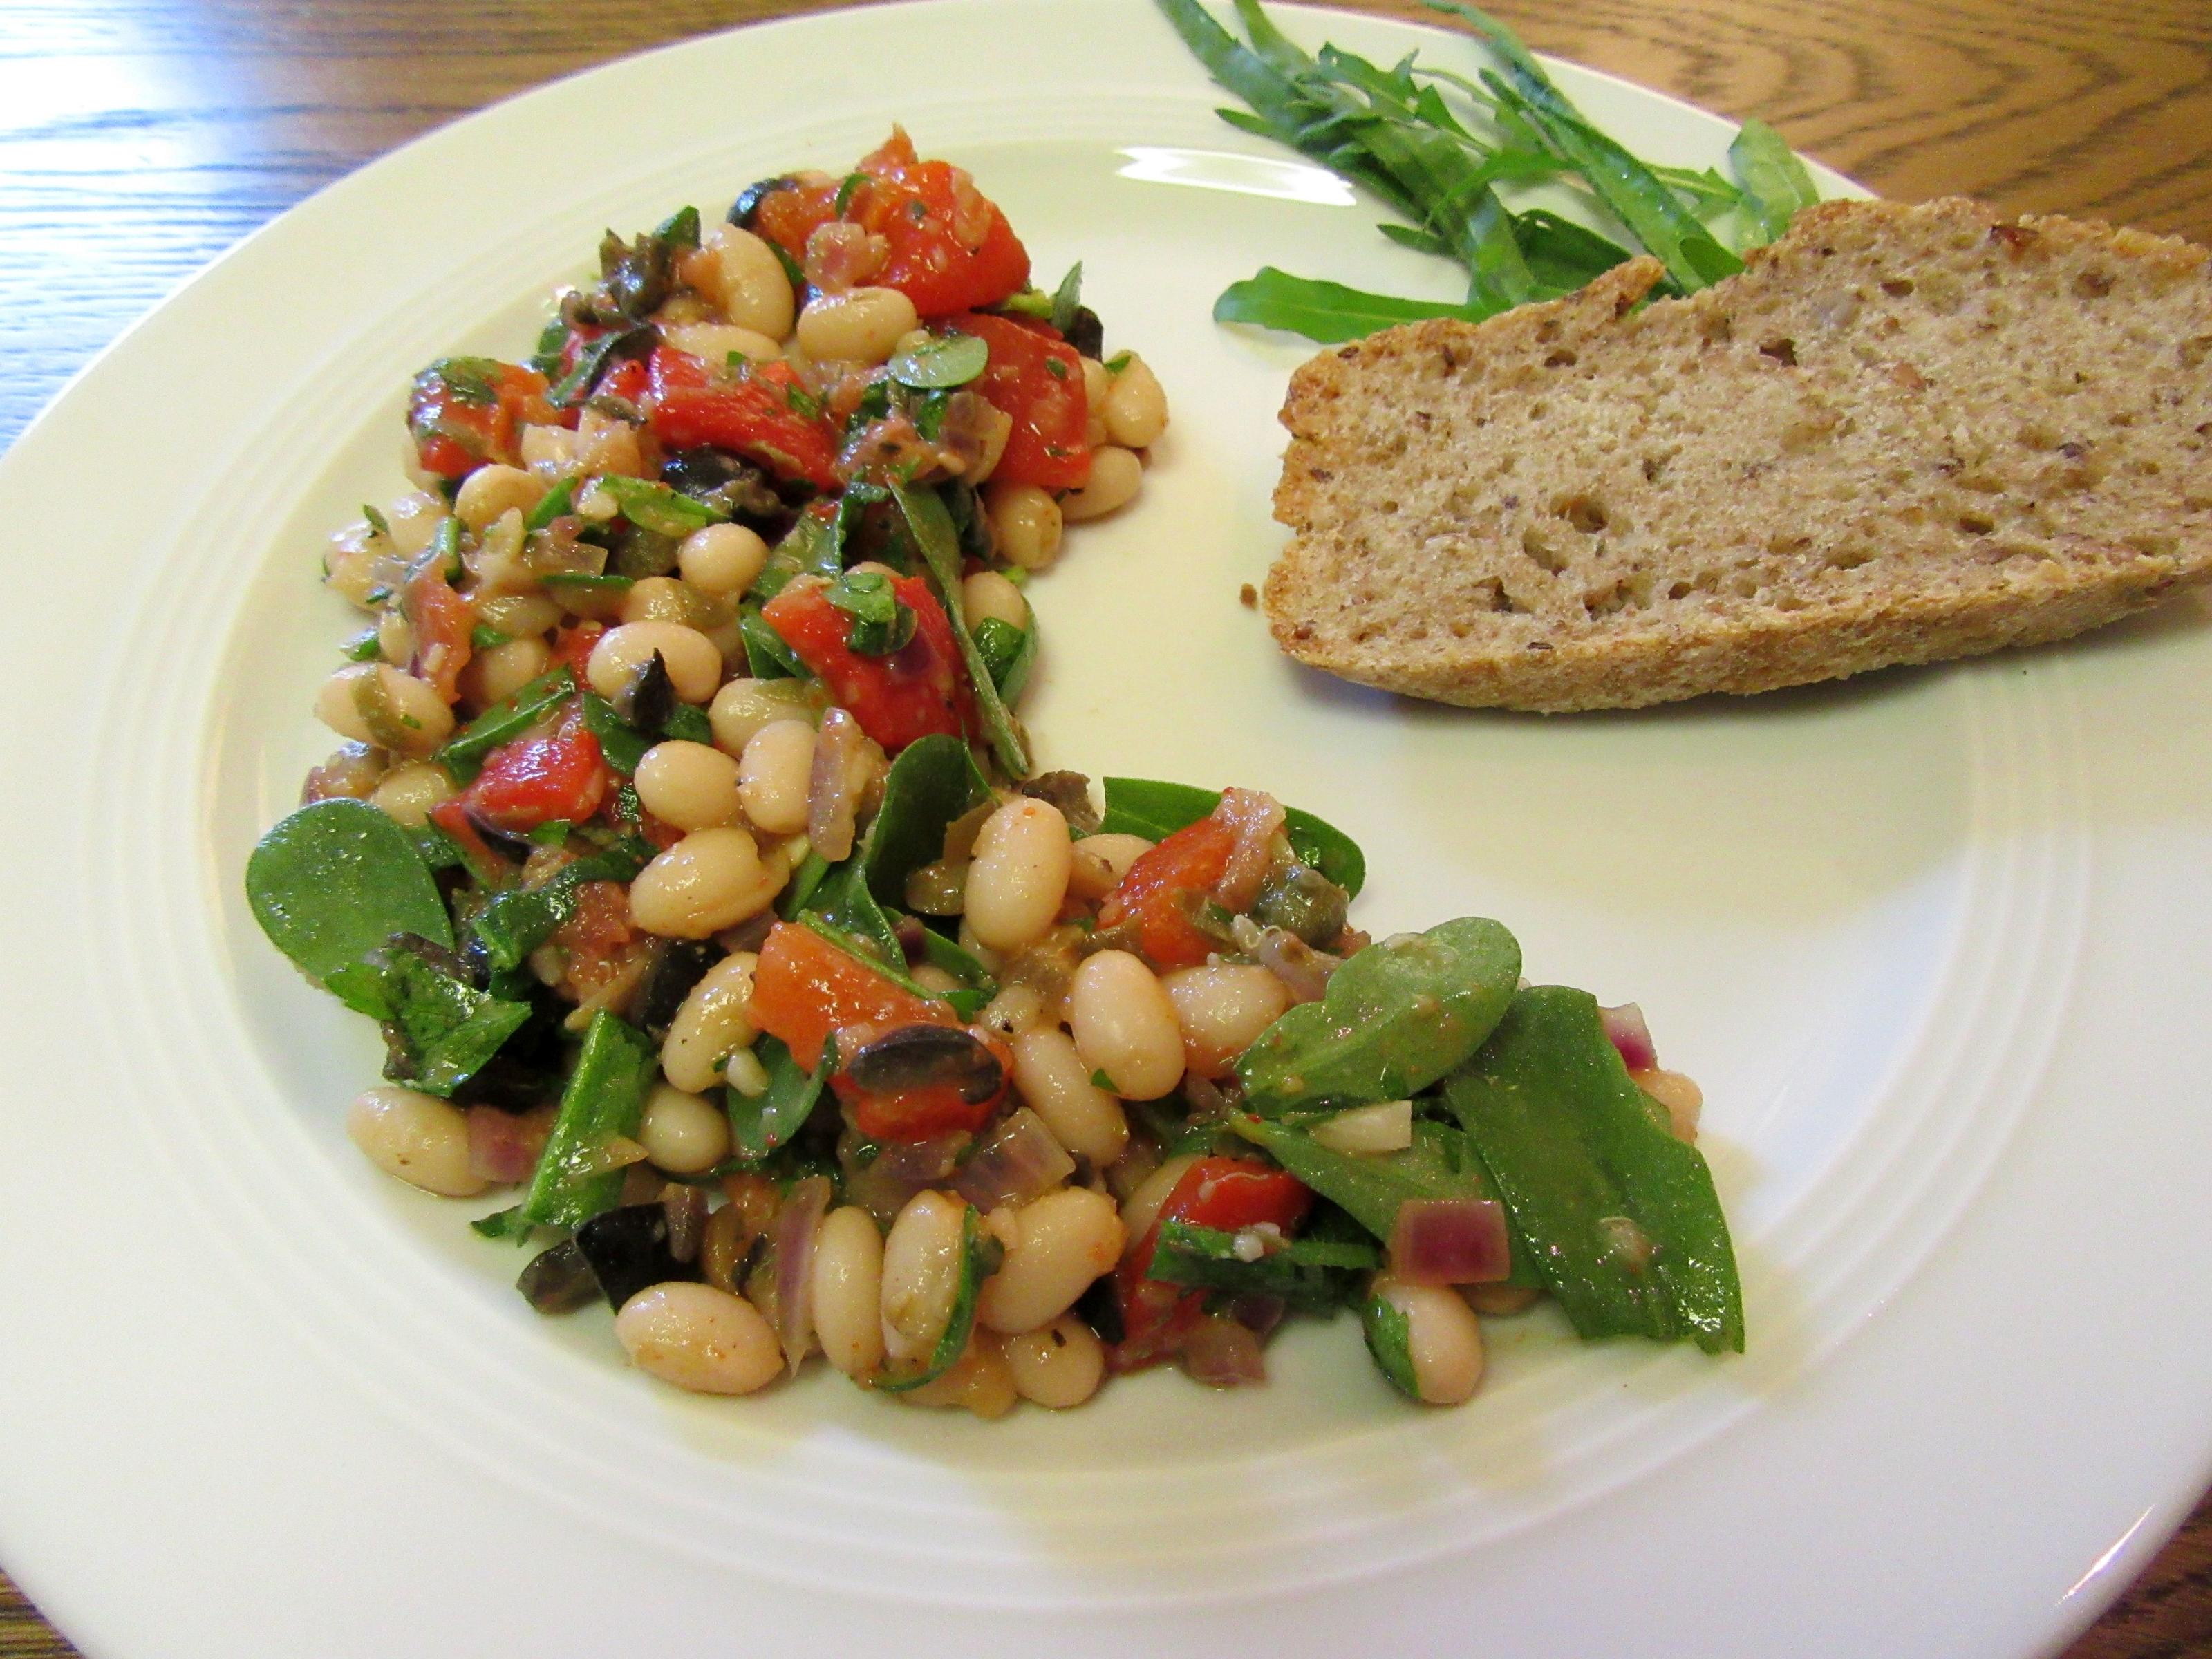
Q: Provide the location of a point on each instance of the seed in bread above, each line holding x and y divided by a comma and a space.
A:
1903, 433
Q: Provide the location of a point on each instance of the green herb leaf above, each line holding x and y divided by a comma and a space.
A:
933, 784
377, 524
1618, 1216
517, 920
1776, 184
1311, 1274
1327, 312
364, 647
621, 744
592, 361
334, 880
680, 229
1067, 299
880, 623
503, 722
1396, 1017
767, 657
758, 1125
944, 360
980, 1255
441, 1030
605, 1098
1388, 1335
556, 502
1008, 652
931, 523
657, 507
1147, 808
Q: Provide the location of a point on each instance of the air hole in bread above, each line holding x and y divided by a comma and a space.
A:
2156, 546
1541, 553
1789, 602
2093, 284
1680, 590
1975, 525
1848, 557
2194, 350
1783, 545
1897, 287
1653, 466
1585, 513
1782, 351
1538, 410
1562, 359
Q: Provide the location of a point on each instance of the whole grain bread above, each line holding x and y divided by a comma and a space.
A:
1903, 432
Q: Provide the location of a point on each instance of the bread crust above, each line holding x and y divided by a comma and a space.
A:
1904, 433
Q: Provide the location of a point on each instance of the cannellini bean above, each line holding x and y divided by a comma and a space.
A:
988, 596
395, 638
1500, 1301
1054, 1079
683, 1132
518, 616
1098, 387
607, 444
549, 451
1136, 408
1062, 1242
1059, 1365
498, 672
774, 774
712, 1024
699, 1338
1018, 878
374, 702
722, 559
1116, 474
709, 880
743, 707
714, 342
1142, 1207
414, 521
1443, 1338
419, 1138
490, 493
663, 599
1101, 861
694, 666
693, 785
1025, 523
1221, 1008
407, 793
1124, 1025
749, 281
1679, 1094
921, 1272
980, 1381
847, 1286
860, 325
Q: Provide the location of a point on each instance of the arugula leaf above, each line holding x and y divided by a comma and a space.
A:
931, 526
1396, 1017
980, 1255
622, 744
933, 784
1154, 810
440, 1029
1008, 654
1776, 183
656, 507
880, 623
1328, 312
333, 881
1389, 1337
573, 387
464, 753
1066, 300
1618, 1216
767, 657
514, 922
942, 361
1309, 1274
759, 1124
605, 1098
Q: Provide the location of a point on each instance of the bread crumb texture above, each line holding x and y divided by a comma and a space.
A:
1904, 433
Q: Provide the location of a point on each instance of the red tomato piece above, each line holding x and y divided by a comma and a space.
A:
1035, 380
538, 780
762, 413
572, 645
443, 623
627, 380
464, 413
1228, 1194
1162, 883
487, 866
805, 987
912, 692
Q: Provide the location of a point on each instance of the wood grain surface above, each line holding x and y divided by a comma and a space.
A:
139, 138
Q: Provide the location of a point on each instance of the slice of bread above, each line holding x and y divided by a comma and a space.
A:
1903, 433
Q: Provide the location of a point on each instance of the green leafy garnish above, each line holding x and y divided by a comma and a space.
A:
440, 1029
880, 623
931, 525
1328, 312
1008, 652
1307, 1273
657, 507
333, 881
605, 1098
503, 722
759, 1124
980, 1255
1388, 1335
1154, 810
942, 361
516, 922
1776, 184
555, 503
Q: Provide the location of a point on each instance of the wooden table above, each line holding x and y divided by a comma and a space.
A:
139, 138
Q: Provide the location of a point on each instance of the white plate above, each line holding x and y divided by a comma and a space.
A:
1934, 942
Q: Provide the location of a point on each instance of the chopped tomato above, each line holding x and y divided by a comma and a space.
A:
1228, 1194
1162, 884
946, 246
467, 411
538, 780
1035, 380
572, 645
627, 380
936, 1109
912, 692
487, 866
762, 413
443, 622
805, 987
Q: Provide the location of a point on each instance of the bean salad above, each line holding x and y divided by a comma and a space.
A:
687, 849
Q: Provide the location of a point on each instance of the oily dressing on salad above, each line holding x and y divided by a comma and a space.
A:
688, 851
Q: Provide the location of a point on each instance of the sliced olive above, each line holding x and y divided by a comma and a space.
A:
928, 1056
649, 697
627, 1249
558, 1280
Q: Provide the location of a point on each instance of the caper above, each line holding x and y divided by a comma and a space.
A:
1300, 900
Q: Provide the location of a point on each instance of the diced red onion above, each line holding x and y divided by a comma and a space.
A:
834, 787
797, 1224
1223, 1354
1450, 1241
1020, 1160
1303, 970
504, 1147
842, 256
1626, 1029
1259, 1313
1257, 819
904, 1168
685, 1205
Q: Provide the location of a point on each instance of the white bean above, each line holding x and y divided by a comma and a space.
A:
847, 1285
407, 793
860, 325
754, 291
374, 702
921, 1272
743, 707
498, 672
395, 638
683, 1132
1082, 1116
549, 451
1142, 1207
1059, 1365
419, 1138
1222, 1007
694, 665
1062, 1242
518, 616
1116, 474
722, 559
712, 1024
988, 596
714, 342
1018, 879
1684, 1100
664, 599
1443, 1338
414, 521
1136, 406
490, 493
693, 785
1125, 1026
1025, 523
699, 1338
774, 775
1101, 861
709, 880
980, 1381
